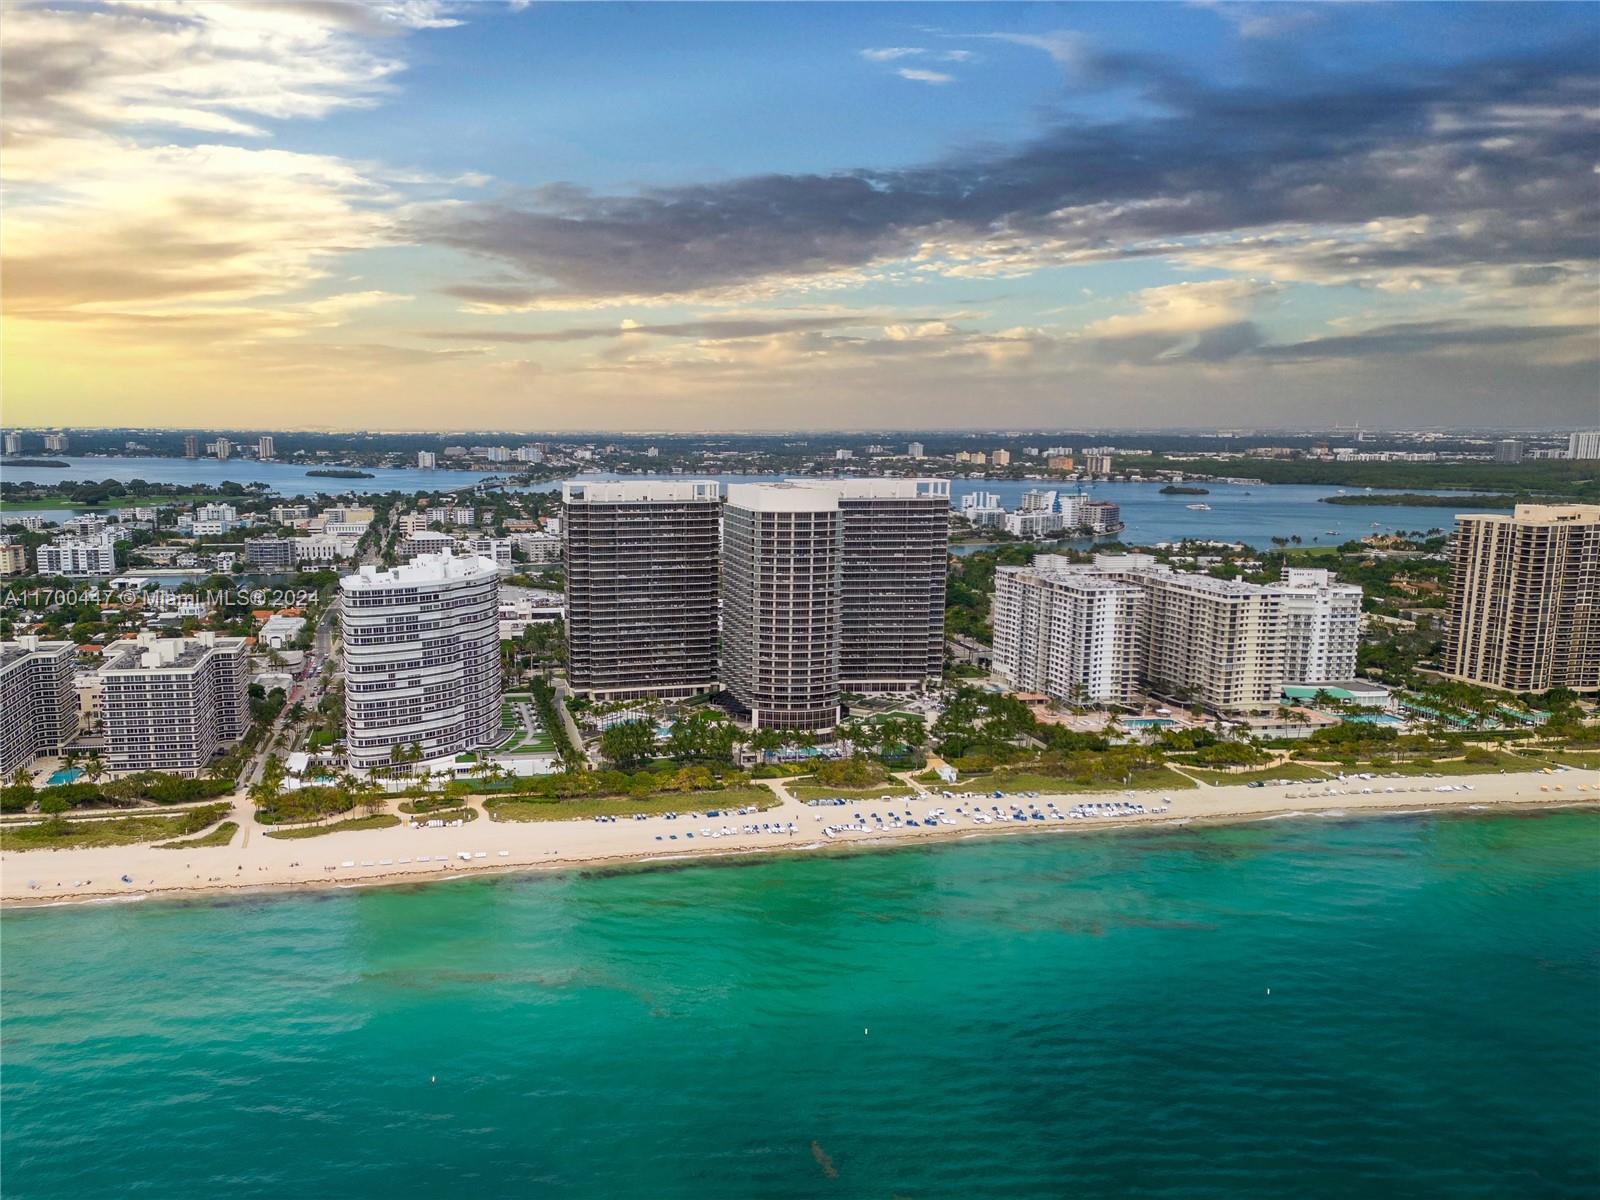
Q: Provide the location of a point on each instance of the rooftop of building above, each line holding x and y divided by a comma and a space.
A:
422, 570
640, 491
150, 653
788, 496
1541, 514
14, 652
880, 488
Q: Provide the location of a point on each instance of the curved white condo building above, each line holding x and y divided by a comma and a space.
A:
421, 658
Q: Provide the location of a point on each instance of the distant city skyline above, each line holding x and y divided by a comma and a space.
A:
421, 216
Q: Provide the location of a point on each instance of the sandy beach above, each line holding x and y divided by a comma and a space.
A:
406, 854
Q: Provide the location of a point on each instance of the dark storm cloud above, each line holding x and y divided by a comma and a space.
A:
1505, 148
1419, 337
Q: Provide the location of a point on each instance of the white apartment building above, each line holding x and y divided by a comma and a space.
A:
427, 460
55, 443
1070, 635
498, 549
210, 520
323, 548
538, 547
85, 525
1040, 523
421, 658
79, 558
13, 443
426, 541
265, 447
288, 514
1584, 444
169, 704
38, 703
915, 450
222, 447
1227, 644
521, 607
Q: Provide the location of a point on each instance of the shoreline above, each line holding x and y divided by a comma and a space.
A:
401, 856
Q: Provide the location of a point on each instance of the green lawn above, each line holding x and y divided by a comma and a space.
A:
1298, 771
62, 834
220, 836
381, 821
817, 791
539, 743
1456, 766
527, 808
1586, 759
1035, 781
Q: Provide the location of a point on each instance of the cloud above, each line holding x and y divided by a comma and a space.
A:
921, 76
1391, 172
185, 64
1424, 337
890, 53
112, 227
1262, 21
711, 329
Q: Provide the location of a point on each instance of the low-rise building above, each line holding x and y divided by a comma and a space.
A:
280, 631
538, 547
271, 554
79, 558
426, 541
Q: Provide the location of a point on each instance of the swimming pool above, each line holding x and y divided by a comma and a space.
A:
1148, 722
1374, 719
66, 775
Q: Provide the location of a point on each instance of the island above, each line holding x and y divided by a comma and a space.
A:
1180, 489
33, 462
1423, 500
341, 473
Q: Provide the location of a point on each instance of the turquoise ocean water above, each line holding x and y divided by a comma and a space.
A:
1064, 1016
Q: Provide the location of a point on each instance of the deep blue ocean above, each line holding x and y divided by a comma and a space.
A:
1297, 1008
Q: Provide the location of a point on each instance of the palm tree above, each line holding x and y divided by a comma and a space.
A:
94, 767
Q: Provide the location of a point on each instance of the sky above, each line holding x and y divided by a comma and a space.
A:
419, 214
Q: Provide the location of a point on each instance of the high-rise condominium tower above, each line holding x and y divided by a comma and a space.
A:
1076, 631
642, 587
895, 543
781, 591
829, 586
172, 703
421, 658
38, 707
1525, 598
